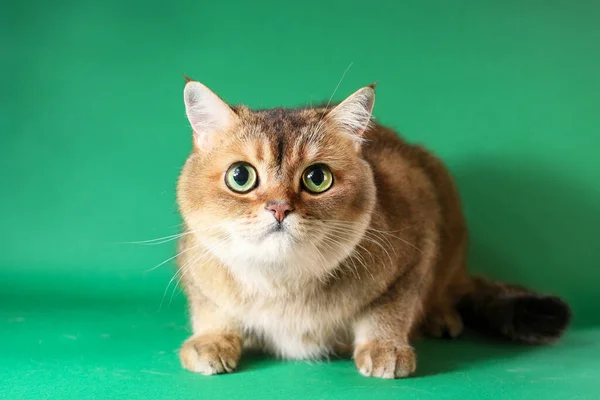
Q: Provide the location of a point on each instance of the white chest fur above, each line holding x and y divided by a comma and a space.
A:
294, 328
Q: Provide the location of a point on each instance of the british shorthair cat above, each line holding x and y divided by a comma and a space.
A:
315, 231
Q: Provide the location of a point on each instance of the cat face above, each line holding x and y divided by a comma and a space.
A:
279, 193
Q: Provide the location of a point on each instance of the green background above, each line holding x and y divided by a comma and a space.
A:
93, 134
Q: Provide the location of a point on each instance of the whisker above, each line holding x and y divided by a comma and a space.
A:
338, 85
368, 238
157, 240
176, 255
320, 123
331, 248
169, 238
186, 270
388, 233
352, 223
361, 260
170, 258
191, 260
182, 270
355, 253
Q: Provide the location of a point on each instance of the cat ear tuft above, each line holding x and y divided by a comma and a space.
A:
207, 113
353, 115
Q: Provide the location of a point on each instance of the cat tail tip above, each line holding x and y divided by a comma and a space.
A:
513, 312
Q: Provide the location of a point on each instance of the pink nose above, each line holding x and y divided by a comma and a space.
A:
280, 210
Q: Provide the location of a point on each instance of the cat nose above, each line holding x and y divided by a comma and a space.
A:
280, 209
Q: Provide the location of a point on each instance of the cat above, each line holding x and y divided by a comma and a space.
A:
312, 232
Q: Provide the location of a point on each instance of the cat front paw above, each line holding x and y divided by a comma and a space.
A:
385, 360
211, 354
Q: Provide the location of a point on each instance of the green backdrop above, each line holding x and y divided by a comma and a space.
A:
93, 134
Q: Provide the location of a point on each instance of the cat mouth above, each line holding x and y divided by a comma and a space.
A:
276, 229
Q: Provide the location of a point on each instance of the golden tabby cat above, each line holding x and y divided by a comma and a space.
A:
314, 231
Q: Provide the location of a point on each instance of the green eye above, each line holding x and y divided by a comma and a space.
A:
241, 177
317, 178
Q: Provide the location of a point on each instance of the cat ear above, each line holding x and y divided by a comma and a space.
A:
207, 113
353, 115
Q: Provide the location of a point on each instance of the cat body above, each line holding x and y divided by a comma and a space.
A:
311, 232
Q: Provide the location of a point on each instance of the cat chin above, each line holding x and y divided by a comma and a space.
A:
277, 235
275, 250
262, 265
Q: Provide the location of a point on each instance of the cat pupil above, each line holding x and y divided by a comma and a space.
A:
241, 175
317, 176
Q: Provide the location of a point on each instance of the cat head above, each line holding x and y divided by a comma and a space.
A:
278, 193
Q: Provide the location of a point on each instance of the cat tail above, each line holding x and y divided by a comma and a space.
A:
513, 312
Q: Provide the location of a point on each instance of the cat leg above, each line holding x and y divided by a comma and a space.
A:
382, 347
216, 344
452, 283
443, 322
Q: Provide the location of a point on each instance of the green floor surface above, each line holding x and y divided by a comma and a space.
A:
112, 349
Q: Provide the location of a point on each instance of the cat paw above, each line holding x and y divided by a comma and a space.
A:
385, 360
447, 324
211, 354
